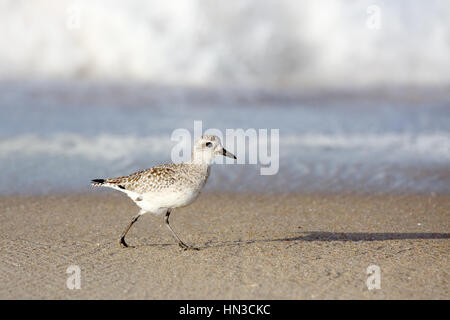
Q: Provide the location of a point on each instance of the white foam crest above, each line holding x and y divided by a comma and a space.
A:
114, 147
269, 42
105, 146
433, 145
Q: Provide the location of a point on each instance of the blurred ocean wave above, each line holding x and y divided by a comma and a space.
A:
113, 147
396, 163
55, 138
266, 43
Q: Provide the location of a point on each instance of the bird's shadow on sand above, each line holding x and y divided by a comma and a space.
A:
337, 236
312, 236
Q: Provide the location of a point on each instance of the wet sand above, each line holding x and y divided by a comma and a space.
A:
289, 246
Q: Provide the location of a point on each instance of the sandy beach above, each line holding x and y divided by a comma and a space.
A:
253, 246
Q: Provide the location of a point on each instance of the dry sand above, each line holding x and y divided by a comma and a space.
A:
253, 246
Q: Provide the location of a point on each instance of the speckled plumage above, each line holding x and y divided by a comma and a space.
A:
167, 177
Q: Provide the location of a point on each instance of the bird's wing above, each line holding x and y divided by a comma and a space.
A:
149, 180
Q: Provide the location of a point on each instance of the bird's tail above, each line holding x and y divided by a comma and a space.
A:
98, 182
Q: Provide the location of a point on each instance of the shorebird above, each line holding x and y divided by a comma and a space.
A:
163, 188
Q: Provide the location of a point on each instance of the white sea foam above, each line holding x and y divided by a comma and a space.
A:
106, 146
267, 42
435, 146
112, 147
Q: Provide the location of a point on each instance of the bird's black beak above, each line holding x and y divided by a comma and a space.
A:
228, 154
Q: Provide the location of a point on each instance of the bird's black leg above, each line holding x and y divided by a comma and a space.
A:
124, 233
180, 243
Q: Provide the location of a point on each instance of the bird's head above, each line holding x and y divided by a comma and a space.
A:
207, 147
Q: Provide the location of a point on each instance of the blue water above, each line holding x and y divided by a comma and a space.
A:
55, 137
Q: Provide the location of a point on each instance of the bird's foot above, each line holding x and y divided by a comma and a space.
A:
122, 242
185, 247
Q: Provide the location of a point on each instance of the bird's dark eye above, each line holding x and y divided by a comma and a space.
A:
209, 144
